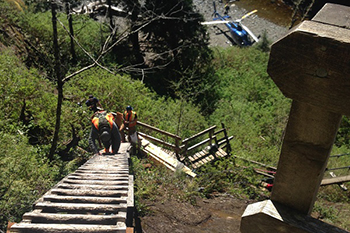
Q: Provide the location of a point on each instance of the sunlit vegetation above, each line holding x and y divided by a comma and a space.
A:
236, 91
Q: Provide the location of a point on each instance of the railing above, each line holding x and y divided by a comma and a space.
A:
184, 148
175, 147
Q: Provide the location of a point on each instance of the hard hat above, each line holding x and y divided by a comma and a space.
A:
129, 108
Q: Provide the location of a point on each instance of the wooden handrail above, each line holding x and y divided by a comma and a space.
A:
224, 140
198, 134
159, 130
199, 144
157, 140
181, 147
219, 131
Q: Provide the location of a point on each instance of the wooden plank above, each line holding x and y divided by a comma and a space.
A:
73, 228
99, 173
198, 134
255, 162
335, 180
263, 173
219, 131
169, 161
84, 199
159, 130
341, 185
130, 203
225, 142
111, 177
81, 207
121, 186
95, 182
73, 218
205, 141
221, 153
203, 157
85, 192
157, 140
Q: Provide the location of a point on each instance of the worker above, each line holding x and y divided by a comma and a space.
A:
92, 103
129, 121
106, 131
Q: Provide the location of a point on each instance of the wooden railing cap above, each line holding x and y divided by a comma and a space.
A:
311, 63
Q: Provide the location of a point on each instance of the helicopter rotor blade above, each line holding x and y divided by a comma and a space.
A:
214, 22
250, 33
246, 15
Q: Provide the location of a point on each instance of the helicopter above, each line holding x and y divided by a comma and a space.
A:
240, 34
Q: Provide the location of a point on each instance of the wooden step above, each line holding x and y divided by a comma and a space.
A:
65, 228
80, 207
73, 218
84, 199
85, 192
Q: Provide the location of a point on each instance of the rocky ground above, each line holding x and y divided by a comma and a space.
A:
220, 213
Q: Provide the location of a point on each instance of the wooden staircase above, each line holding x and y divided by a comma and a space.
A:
98, 197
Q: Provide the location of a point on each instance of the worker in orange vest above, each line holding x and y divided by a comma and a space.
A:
129, 121
106, 131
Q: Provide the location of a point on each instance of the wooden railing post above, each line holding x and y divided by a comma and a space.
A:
228, 149
211, 133
311, 66
177, 148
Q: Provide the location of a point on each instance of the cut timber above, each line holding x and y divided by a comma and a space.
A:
335, 180
202, 157
74, 218
341, 185
54, 228
162, 157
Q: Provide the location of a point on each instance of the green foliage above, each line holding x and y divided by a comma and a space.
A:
251, 106
9, 11
264, 43
22, 89
235, 90
25, 175
325, 212
225, 177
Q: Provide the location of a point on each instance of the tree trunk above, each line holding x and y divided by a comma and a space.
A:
110, 16
134, 37
71, 31
59, 81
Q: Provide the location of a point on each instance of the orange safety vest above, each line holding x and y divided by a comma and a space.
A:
109, 117
130, 117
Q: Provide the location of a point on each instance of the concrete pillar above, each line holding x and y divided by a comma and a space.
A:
310, 65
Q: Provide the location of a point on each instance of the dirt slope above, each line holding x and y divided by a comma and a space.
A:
219, 214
